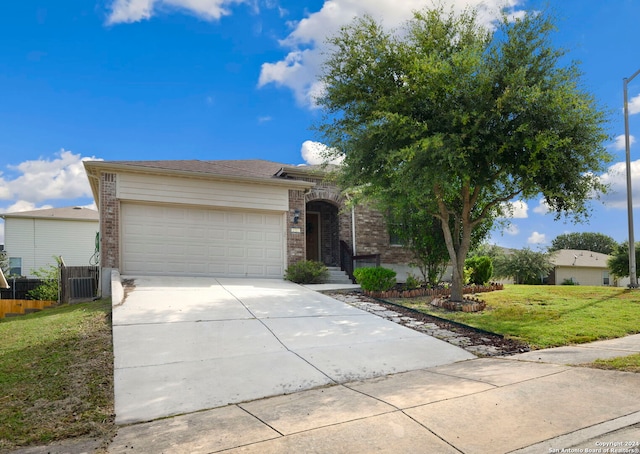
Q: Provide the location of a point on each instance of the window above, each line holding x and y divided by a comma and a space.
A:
394, 228
394, 238
605, 278
15, 266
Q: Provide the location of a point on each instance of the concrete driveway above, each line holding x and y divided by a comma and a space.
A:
188, 344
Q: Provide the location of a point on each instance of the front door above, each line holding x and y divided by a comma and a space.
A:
312, 234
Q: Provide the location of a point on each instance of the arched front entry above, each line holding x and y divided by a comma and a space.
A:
322, 232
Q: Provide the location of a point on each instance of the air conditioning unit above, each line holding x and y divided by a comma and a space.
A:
82, 287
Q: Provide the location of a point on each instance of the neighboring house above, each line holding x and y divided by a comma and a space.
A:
246, 218
582, 268
33, 238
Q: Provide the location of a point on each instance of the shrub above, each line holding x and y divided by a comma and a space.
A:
375, 278
481, 269
412, 282
569, 281
307, 272
48, 290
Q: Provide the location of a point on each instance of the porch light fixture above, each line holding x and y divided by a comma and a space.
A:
633, 280
296, 216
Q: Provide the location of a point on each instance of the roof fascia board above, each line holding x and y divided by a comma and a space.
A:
101, 166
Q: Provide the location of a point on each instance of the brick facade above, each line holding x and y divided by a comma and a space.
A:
372, 237
109, 222
336, 223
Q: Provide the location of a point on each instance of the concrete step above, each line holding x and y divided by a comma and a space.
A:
337, 276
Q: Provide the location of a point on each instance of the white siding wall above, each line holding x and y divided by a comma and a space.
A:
38, 240
582, 276
18, 240
136, 187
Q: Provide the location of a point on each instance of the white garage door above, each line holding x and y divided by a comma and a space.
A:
173, 240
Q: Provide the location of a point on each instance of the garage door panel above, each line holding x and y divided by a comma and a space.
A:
236, 235
255, 253
216, 234
197, 241
236, 252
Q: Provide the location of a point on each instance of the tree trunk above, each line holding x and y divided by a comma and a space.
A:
457, 282
459, 241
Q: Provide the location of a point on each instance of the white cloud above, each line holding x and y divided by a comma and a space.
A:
128, 11
542, 208
315, 152
634, 105
512, 229
515, 210
537, 238
616, 178
619, 142
299, 69
62, 177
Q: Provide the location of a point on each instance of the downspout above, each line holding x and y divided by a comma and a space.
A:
353, 228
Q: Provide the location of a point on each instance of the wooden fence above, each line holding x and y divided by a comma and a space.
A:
78, 283
22, 306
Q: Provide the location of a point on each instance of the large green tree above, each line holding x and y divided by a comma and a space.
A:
422, 234
461, 119
587, 241
524, 266
618, 263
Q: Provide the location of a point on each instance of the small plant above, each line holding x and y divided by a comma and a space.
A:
569, 281
412, 282
375, 279
307, 272
48, 290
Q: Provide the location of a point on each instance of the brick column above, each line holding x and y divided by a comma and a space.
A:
109, 222
296, 244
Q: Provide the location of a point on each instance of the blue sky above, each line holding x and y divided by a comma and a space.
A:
233, 79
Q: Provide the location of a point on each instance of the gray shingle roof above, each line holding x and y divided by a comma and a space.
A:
67, 213
254, 168
575, 257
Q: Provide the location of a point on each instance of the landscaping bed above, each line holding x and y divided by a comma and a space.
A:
477, 341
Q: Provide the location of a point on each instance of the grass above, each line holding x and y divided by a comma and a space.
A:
625, 363
56, 375
550, 316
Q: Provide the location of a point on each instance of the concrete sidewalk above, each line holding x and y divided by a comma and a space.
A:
490, 405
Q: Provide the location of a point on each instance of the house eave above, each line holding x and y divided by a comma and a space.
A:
95, 168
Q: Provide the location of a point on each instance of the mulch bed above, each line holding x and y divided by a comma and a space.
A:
502, 345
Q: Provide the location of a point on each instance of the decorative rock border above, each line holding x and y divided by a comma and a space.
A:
468, 305
435, 292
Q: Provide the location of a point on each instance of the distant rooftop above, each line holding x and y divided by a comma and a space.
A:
580, 258
66, 213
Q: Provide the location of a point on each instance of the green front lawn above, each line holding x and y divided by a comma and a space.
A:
549, 316
56, 375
